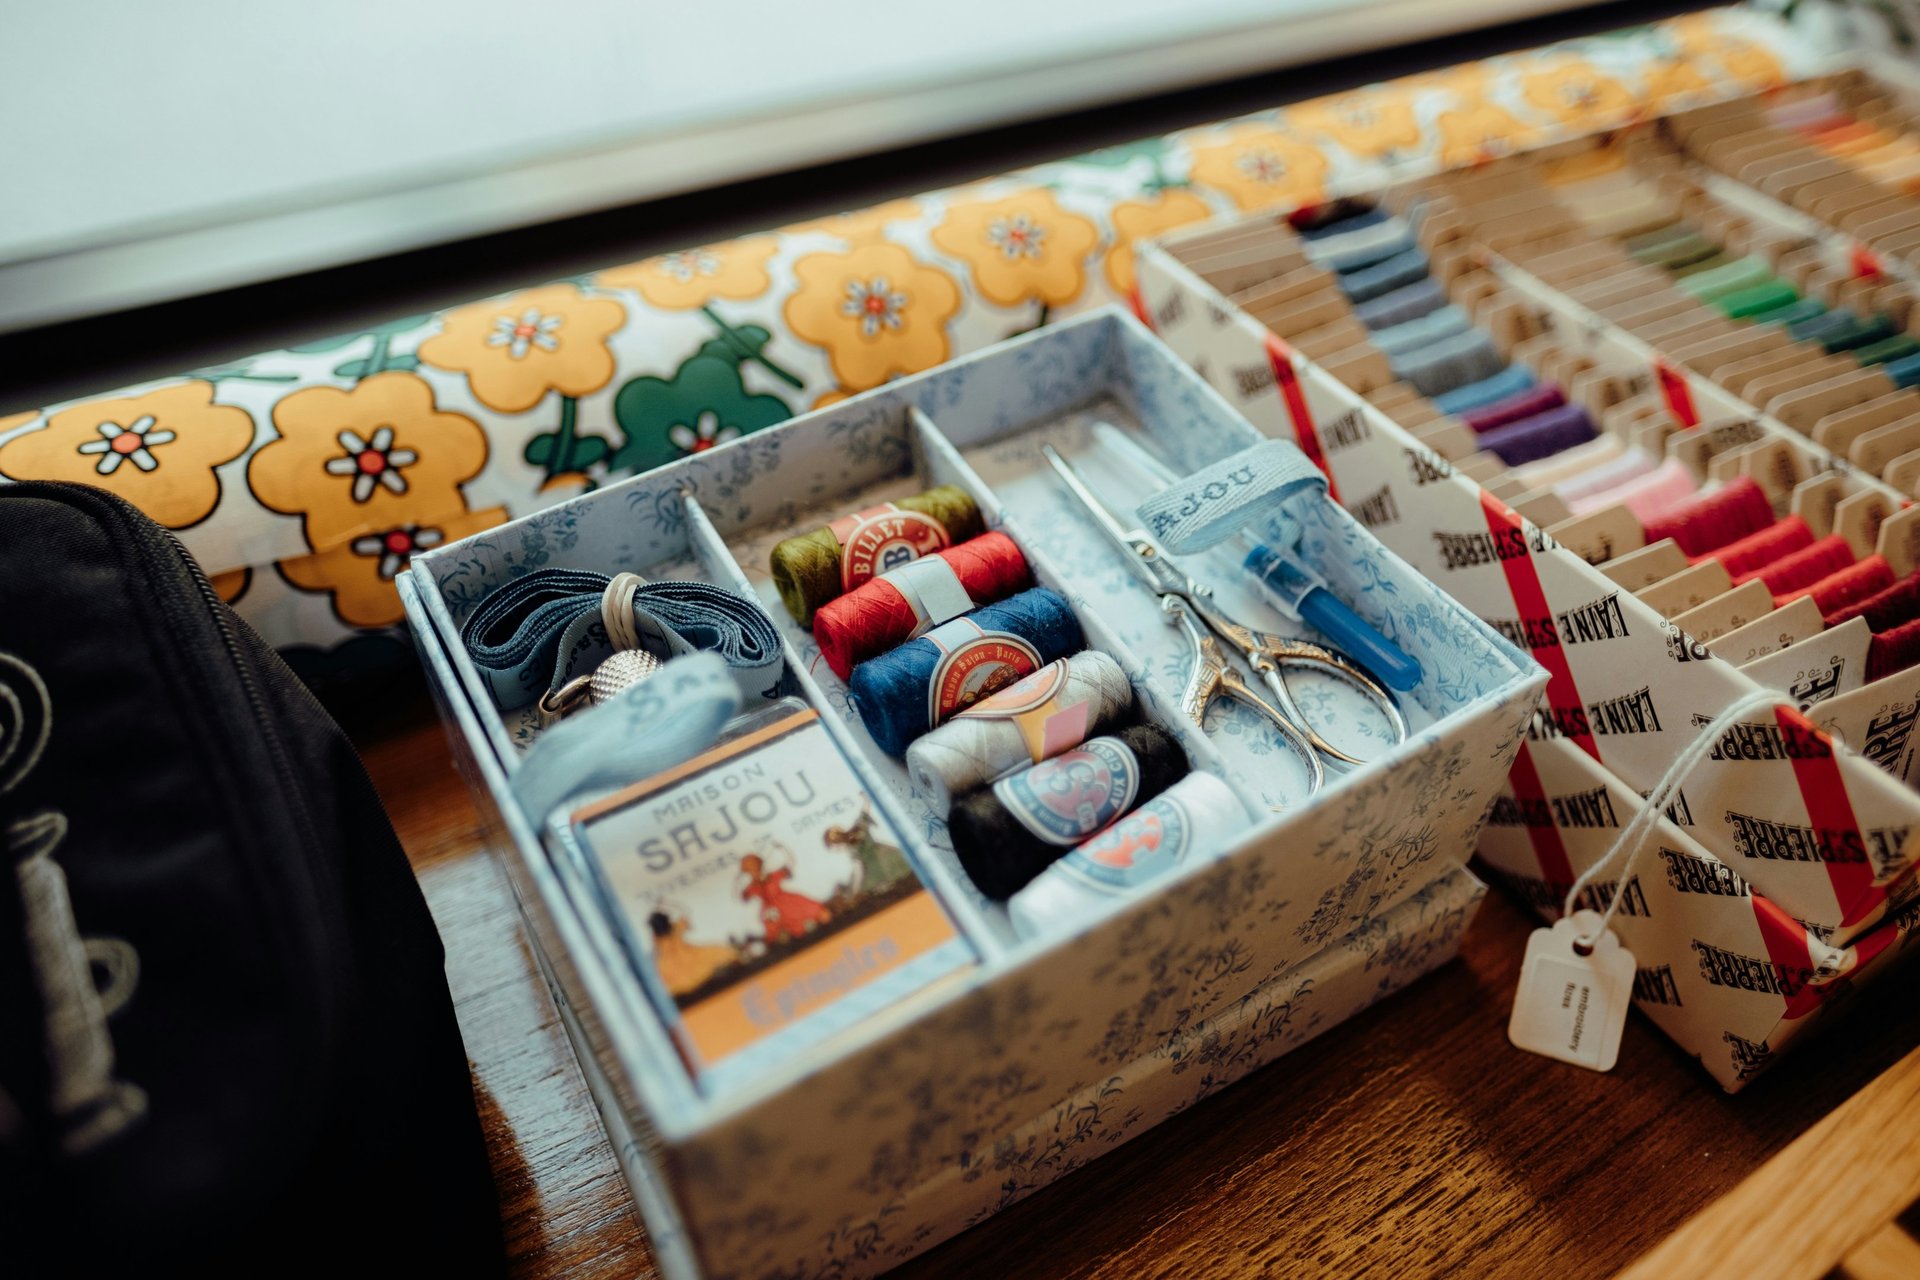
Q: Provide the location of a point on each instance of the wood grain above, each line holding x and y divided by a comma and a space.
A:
1411, 1141
1845, 1179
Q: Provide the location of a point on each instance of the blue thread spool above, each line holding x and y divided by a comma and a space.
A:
893, 692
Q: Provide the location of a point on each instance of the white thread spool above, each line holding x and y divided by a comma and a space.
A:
971, 750
1197, 817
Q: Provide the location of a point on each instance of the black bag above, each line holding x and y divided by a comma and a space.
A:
226, 1041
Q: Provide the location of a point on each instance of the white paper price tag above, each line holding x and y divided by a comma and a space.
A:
1569, 1006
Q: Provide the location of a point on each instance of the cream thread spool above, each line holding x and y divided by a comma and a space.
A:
978, 745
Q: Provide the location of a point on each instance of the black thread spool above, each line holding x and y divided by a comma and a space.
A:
1001, 850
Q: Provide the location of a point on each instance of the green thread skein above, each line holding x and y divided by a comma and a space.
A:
806, 567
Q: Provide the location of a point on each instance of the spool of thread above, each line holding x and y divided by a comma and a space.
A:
1569, 464
1712, 520
1890, 607
1404, 339
1806, 566
1509, 381
1893, 651
878, 615
1523, 404
1449, 363
1401, 305
1646, 495
1540, 436
1852, 584
812, 568
1601, 483
1197, 817
902, 694
1057, 707
1008, 833
1362, 246
1340, 224
1747, 556
1385, 276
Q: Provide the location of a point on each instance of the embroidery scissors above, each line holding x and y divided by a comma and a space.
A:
1189, 603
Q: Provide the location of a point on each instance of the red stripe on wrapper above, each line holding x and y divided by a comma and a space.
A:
1830, 810
1548, 850
1287, 379
1530, 598
1786, 942
1674, 390
1139, 304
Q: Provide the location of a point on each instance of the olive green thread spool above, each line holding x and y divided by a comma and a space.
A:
807, 567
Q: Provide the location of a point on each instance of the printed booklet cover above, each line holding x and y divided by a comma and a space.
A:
759, 892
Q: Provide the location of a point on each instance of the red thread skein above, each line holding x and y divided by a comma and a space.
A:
1853, 583
1885, 610
874, 617
1893, 651
1806, 566
1710, 521
1758, 550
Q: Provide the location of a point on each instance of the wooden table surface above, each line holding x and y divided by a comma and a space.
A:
1411, 1141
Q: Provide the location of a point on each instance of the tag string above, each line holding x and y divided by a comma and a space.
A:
1633, 836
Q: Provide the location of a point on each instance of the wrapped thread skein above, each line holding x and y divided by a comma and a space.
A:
1057, 707
1007, 834
810, 569
1196, 817
883, 613
902, 694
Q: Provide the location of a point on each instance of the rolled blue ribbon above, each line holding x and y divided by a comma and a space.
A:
647, 727
1252, 486
533, 635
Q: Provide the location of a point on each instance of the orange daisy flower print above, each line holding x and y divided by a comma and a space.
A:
516, 349
158, 450
1020, 248
877, 310
1258, 166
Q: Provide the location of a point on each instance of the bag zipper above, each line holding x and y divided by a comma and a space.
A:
149, 536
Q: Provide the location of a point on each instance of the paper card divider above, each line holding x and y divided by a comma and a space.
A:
1771, 632
1644, 367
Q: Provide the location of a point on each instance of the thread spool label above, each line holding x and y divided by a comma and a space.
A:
883, 538
1066, 799
1046, 725
932, 590
974, 664
1139, 847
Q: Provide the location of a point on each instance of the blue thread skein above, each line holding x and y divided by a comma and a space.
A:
890, 691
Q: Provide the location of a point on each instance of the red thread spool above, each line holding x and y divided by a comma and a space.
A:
1807, 566
875, 617
1853, 583
1893, 651
1756, 551
1886, 609
1712, 520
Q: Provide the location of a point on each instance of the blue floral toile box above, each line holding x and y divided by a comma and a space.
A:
930, 1115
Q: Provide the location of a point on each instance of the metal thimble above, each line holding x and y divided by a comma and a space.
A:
624, 669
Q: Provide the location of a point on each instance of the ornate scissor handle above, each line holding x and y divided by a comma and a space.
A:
1277, 654
1212, 676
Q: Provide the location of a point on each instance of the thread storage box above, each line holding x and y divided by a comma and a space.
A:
1782, 876
922, 1119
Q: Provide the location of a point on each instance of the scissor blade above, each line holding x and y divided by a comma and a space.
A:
1140, 549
